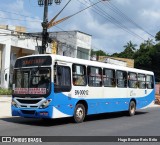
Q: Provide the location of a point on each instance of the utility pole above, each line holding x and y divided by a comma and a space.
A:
44, 25
45, 35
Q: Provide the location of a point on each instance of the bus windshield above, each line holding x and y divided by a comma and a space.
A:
32, 81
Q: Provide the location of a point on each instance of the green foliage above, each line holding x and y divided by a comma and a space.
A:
157, 37
147, 57
128, 51
98, 53
130, 45
5, 91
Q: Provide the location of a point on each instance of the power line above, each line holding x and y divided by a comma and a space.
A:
19, 20
67, 40
65, 18
37, 21
108, 17
59, 12
124, 16
17, 14
112, 7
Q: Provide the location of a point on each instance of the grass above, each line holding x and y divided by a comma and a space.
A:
5, 91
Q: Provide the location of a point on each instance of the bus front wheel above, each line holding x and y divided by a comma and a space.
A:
132, 108
79, 113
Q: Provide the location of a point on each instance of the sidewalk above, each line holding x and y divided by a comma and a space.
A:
5, 106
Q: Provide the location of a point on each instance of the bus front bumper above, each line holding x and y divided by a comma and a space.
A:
32, 112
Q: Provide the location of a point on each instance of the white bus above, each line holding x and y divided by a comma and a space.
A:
53, 86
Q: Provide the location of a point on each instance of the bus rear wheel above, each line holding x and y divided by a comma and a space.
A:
132, 108
79, 113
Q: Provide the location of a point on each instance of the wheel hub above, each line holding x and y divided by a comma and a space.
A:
79, 113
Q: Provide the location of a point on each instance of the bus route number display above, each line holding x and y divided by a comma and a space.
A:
33, 61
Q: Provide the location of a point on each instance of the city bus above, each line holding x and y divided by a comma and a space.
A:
52, 86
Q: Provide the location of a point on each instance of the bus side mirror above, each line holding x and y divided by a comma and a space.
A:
5, 77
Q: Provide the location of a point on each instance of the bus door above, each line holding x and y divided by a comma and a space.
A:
62, 79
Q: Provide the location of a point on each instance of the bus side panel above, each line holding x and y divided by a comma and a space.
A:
66, 105
63, 105
107, 105
143, 102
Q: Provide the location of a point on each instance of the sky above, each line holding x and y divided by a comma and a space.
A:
111, 23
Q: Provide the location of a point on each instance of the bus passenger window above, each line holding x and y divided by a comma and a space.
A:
94, 76
79, 75
132, 80
141, 81
109, 78
149, 82
121, 79
62, 79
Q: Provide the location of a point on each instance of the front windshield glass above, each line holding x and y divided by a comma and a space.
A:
30, 81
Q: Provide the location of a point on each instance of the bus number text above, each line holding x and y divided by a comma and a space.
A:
81, 92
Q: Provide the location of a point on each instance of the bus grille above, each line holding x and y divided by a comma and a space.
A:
27, 101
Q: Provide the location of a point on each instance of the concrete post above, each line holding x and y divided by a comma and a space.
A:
6, 54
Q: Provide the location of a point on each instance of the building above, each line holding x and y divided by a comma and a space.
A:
118, 61
15, 42
73, 43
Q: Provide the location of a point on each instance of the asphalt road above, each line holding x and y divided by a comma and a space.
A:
146, 122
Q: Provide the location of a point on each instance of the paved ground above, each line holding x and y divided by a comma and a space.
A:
144, 123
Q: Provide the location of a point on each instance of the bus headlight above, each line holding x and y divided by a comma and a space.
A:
45, 103
13, 103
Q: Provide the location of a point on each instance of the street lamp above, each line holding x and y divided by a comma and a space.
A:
50, 2
57, 1
40, 2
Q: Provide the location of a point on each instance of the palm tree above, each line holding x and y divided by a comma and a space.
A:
149, 43
130, 45
129, 50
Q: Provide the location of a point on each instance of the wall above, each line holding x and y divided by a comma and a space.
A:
71, 41
12, 47
129, 62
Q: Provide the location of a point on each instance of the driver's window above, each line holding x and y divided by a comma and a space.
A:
62, 79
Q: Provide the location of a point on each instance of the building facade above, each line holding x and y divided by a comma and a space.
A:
117, 61
15, 43
73, 43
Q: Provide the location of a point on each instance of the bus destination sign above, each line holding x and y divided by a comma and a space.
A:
33, 61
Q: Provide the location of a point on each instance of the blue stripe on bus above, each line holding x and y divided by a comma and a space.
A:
96, 106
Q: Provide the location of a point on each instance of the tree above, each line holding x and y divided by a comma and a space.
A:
128, 51
149, 43
147, 57
98, 53
157, 37
130, 46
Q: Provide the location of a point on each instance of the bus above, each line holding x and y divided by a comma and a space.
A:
52, 86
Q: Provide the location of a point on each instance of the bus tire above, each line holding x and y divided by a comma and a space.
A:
132, 108
79, 113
